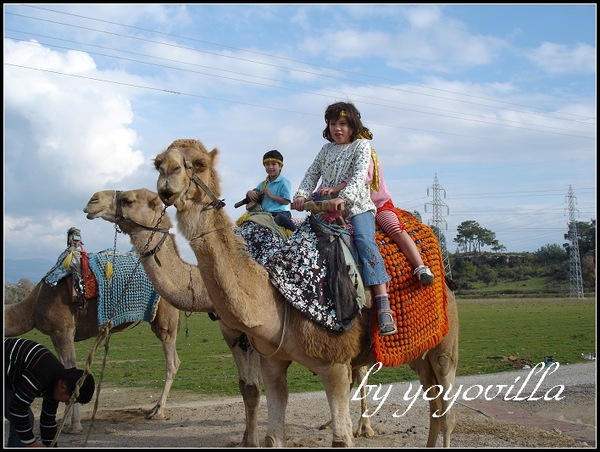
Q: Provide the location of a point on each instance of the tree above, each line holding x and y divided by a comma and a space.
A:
488, 275
550, 254
13, 293
586, 237
472, 237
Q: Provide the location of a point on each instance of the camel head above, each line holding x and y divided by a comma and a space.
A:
130, 209
180, 167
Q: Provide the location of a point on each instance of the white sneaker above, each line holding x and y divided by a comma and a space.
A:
424, 274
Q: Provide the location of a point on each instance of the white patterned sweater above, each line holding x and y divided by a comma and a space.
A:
336, 163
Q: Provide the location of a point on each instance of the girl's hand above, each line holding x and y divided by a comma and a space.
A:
325, 192
298, 203
333, 204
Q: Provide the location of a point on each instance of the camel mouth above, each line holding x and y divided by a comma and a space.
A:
167, 198
90, 215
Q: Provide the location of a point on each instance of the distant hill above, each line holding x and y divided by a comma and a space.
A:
32, 269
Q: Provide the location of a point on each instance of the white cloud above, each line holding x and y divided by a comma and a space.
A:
76, 130
562, 59
498, 124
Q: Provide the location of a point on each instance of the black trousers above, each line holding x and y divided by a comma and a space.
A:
284, 219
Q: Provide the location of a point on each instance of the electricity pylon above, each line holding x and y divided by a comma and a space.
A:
438, 222
575, 279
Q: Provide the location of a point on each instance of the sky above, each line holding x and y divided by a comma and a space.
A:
481, 113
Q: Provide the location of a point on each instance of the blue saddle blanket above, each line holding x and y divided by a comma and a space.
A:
127, 296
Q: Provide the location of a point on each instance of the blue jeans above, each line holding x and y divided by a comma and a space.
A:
13, 437
369, 259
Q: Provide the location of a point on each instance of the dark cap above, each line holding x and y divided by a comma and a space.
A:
86, 391
73, 234
273, 156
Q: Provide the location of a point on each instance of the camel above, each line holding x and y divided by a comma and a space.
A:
245, 298
51, 311
141, 215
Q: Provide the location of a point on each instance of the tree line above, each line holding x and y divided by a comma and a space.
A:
472, 263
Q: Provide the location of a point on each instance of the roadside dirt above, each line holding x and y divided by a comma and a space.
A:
196, 421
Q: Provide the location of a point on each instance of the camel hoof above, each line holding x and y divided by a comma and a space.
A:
364, 431
272, 442
73, 429
154, 414
341, 444
325, 426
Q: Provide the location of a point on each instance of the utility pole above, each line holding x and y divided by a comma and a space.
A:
575, 279
438, 222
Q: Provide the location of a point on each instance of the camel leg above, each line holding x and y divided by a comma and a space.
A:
165, 326
248, 367
337, 379
364, 428
64, 344
274, 374
427, 378
251, 395
438, 369
444, 360
446, 373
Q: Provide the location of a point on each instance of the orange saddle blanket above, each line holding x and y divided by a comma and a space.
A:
420, 311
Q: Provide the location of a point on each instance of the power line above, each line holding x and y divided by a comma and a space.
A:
313, 72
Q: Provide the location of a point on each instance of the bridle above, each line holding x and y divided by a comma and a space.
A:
216, 202
165, 231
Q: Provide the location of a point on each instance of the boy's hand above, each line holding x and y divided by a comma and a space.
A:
252, 195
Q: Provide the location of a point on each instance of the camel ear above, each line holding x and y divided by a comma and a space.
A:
214, 155
155, 202
158, 161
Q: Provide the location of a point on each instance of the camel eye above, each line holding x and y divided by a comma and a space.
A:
200, 166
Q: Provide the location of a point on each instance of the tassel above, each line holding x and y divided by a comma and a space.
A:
108, 270
66, 263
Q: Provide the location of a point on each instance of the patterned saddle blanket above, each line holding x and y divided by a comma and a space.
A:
126, 296
298, 268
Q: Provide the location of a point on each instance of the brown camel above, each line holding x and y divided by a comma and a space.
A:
51, 311
141, 215
245, 299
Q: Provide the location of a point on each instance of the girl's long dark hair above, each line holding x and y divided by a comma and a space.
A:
334, 111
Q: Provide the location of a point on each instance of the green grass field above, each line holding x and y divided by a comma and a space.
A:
489, 329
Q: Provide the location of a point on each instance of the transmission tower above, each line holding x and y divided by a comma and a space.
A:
438, 221
575, 279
